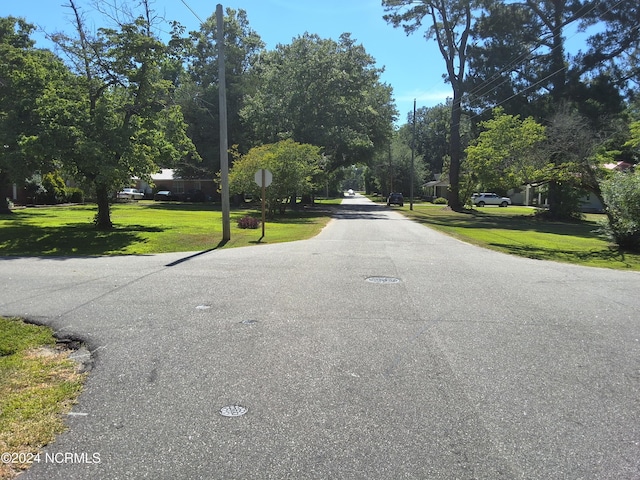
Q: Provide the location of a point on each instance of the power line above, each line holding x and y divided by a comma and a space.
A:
192, 11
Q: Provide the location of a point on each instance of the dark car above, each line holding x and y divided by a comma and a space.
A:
395, 199
193, 196
164, 195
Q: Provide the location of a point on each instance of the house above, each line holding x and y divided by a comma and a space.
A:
436, 188
167, 179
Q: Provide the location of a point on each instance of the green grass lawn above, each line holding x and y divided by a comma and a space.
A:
516, 230
38, 383
145, 227
155, 227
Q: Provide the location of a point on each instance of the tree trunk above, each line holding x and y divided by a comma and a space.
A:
103, 217
4, 201
455, 153
558, 80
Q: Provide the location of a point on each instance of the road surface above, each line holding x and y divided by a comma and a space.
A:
380, 349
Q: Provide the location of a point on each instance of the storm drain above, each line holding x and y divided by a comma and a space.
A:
233, 411
383, 280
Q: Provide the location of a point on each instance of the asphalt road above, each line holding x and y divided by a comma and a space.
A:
380, 349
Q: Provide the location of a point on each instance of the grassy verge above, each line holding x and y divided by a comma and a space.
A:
38, 384
143, 228
516, 230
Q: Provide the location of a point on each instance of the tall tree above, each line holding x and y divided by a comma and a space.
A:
29, 78
504, 155
520, 60
390, 170
450, 24
198, 90
120, 121
324, 93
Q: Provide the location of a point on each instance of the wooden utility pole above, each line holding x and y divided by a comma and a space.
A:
224, 154
413, 156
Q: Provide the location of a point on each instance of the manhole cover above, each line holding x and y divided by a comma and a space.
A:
248, 322
383, 280
203, 307
233, 411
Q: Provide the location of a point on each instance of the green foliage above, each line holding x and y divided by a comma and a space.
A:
391, 168
29, 80
293, 166
440, 201
197, 91
56, 190
324, 93
621, 193
504, 154
119, 119
74, 195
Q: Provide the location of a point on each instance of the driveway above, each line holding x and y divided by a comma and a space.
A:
380, 349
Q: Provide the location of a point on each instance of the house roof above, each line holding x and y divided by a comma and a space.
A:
165, 174
437, 183
617, 166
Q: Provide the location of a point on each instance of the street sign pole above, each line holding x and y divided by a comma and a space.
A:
263, 178
264, 195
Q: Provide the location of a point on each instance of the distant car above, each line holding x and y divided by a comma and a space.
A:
395, 199
130, 194
164, 195
482, 199
193, 196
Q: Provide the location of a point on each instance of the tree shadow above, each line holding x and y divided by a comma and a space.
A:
68, 240
348, 211
540, 253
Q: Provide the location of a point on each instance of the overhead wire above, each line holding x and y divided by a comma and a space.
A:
487, 86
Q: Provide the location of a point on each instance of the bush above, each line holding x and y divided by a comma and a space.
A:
55, 189
248, 222
621, 195
74, 195
440, 201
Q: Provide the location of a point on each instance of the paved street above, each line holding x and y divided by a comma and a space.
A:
380, 349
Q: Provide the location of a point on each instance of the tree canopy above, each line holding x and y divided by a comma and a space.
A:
295, 168
120, 119
321, 92
504, 155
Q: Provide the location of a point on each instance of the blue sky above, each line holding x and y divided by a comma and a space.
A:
413, 65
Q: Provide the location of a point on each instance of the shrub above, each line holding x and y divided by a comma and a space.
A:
440, 201
74, 195
55, 189
621, 195
248, 222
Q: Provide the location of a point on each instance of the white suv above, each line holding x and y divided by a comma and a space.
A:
482, 199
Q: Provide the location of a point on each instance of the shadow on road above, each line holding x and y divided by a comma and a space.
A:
195, 255
373, 211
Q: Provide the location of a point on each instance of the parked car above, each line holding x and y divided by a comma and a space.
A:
130, 194
164, 195
193, 196
395, 199
482, 199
